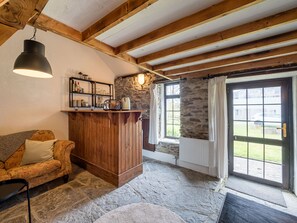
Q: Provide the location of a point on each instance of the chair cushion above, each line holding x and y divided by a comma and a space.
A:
34, 170
4, 175
38, 151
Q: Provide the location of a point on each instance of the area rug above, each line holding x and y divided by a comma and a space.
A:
240, 210
140, 213
263, 192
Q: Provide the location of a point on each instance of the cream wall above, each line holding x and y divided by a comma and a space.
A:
30, 103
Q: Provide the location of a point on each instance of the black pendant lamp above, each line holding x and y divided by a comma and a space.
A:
32, 61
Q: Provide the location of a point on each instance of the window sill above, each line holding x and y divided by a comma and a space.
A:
168, 140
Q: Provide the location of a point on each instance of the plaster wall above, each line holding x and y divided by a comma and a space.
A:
31, 103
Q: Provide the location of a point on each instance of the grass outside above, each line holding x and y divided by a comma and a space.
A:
173, 130
255, 150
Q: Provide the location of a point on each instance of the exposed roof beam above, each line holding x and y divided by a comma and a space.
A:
3, 2
286, 37
46, 23
266, 23
16, 13
120, 14
214, 12
236, 60
6, 32
261, 64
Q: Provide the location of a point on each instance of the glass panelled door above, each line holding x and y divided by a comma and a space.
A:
258, 131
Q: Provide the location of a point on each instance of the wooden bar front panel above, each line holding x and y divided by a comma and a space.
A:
107, 144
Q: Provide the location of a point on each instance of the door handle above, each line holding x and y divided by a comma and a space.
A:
284, 128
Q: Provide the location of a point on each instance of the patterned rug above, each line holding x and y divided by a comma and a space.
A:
140, 213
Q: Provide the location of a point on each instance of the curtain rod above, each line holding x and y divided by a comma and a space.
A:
165, 81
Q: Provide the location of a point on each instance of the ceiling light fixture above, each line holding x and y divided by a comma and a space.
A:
32, 61
141, 79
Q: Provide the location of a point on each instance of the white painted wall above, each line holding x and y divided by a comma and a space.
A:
30, 103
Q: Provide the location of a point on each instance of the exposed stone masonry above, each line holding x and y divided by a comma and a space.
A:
139, 95
194, 108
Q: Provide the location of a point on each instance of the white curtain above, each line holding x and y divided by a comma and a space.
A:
153, 130
217, 117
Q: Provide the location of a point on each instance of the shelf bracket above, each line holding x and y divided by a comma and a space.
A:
126, 117
137, 116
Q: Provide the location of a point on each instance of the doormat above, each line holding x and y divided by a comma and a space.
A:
267, 193
237, 209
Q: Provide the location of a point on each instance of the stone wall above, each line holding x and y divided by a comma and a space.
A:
194, 108
139, 95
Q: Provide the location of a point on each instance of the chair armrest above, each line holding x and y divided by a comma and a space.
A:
62, 150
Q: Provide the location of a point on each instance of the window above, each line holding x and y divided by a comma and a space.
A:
172, 110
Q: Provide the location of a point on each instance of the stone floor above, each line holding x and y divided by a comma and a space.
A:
193, 196
85, 197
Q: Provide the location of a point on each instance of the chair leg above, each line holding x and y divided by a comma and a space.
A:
29, 208
65, 178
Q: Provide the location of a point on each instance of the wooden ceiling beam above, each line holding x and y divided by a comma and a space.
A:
6, 32
236, 60
16, 13
48, 24
270, 41
266, 23
3, 2
209, 14
261, 64
120, 14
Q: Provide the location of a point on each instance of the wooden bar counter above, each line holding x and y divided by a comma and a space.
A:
107, 143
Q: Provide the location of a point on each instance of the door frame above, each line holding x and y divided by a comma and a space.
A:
288, 168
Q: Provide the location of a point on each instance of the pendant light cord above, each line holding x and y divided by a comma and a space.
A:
34, 35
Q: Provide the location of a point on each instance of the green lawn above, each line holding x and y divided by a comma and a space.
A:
255, 150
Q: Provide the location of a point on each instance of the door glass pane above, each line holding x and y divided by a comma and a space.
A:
273, 154
256, 159
256, 168
256, 151
255, 96
240, 165
240, 149
239, 112
255, 113
255, 129
239, 128
272, 113
272, 130
272, 95
239, 96
273, 172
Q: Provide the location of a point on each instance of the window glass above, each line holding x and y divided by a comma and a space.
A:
172, 110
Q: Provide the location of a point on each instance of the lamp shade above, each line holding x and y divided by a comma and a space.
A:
141, 79
32, 61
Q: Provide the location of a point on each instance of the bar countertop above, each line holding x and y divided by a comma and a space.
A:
101, 111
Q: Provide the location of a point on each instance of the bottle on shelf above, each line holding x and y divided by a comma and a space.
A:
74, 88
77, 87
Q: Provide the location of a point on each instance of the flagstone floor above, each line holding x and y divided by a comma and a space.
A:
85, 197
193, 196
